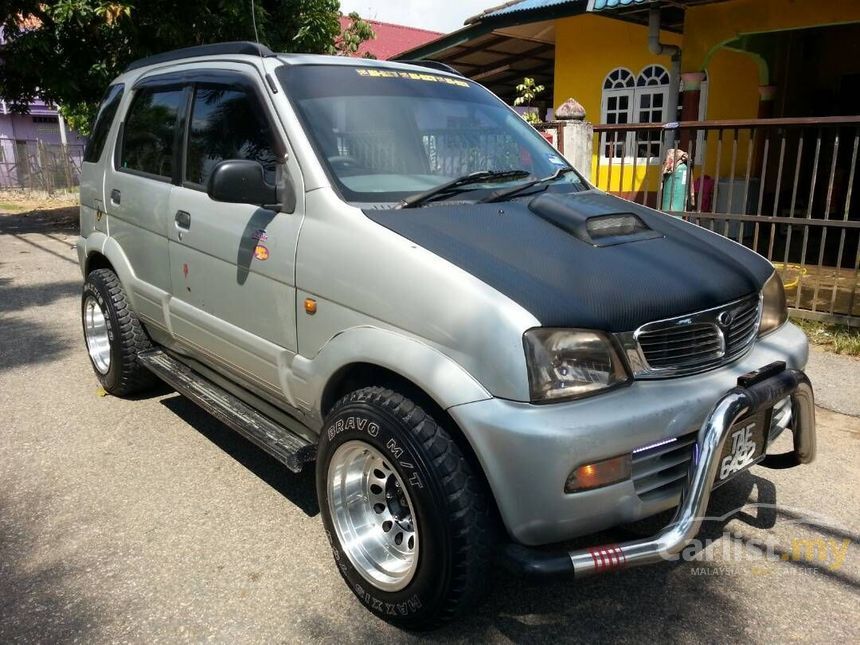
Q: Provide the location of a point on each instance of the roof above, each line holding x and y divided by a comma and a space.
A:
391, 39
519, 6
241, 47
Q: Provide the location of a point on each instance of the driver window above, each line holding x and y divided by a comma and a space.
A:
227, 122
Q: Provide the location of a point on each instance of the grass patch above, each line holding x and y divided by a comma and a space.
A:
838, 339
11, 207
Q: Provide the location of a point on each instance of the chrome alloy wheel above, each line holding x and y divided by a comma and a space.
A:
372, 516
96, 334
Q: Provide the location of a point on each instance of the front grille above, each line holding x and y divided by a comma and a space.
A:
660, 471
693, 343
684, 346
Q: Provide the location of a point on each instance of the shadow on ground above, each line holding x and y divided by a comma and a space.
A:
63, 219
297, 488
14, 298
38, 603
27, 340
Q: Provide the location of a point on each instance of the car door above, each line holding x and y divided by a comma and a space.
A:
137, 189
233, 265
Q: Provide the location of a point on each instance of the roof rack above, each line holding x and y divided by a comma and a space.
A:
432, 64
235, 47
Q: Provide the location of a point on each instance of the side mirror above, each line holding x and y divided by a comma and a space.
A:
241, 181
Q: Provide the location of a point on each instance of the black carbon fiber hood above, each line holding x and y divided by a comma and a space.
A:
566, 282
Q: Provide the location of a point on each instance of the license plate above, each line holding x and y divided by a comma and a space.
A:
744, 446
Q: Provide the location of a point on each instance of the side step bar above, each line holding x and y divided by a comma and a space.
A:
284, 445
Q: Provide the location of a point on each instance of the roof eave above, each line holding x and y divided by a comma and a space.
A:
488, 24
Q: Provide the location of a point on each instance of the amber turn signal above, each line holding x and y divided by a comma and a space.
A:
310, 306
598, 474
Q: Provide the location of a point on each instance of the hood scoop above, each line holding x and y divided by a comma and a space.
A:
591, 226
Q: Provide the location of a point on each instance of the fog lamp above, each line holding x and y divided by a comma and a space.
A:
598, 474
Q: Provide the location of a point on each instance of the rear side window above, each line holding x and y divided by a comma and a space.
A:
227, 122
107, 111
150, 130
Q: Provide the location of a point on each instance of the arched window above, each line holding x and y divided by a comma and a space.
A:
618, 79
652, 98
616, 107
635, 99
653, 75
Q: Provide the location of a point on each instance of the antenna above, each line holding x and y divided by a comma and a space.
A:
269, 79
254, 23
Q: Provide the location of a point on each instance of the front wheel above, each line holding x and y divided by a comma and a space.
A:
406, 517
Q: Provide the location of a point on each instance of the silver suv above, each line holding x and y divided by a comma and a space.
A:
382, 268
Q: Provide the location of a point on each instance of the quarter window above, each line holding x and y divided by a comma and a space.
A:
149, 132
107, 111
227, 123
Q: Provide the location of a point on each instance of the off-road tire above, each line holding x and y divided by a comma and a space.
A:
449, 502
126, 374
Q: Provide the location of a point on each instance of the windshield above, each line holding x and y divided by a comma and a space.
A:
385, 135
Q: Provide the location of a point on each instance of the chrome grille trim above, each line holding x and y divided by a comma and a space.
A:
693, 343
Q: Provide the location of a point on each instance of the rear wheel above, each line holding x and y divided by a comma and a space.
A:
406, 517
114, 335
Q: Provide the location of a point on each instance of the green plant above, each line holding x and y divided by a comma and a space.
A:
838, 339
527, 92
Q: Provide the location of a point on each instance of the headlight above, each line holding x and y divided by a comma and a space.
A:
773, 309
569, 363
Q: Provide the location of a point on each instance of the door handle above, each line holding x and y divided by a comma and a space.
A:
183, 219
115, 196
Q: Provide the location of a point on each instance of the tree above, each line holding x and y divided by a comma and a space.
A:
353, 36
528, 91
68, 51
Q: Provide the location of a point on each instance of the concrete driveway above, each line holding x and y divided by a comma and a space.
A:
147, 521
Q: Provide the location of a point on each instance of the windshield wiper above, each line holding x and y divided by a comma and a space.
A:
455, 185
510, 192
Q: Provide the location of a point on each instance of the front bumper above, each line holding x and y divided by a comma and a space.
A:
755, 392
527, 451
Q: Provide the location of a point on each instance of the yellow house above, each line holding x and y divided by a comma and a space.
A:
714, 60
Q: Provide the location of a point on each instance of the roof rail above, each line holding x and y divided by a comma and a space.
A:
432, 64
235, 47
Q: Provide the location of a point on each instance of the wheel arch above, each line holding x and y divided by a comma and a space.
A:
97, 260
360, 374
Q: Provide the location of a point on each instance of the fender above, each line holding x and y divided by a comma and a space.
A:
147, 301
435, 373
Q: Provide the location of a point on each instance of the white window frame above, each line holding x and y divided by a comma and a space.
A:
634, 95
625, 88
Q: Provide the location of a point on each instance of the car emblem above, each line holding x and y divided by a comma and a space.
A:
725, 318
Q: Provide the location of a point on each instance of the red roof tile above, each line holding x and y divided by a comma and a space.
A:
391, 39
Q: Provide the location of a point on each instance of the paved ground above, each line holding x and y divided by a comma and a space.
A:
836, 379
148, 521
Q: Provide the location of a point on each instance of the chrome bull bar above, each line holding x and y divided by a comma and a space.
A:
755, 391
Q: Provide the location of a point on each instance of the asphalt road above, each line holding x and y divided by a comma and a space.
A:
148, 521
